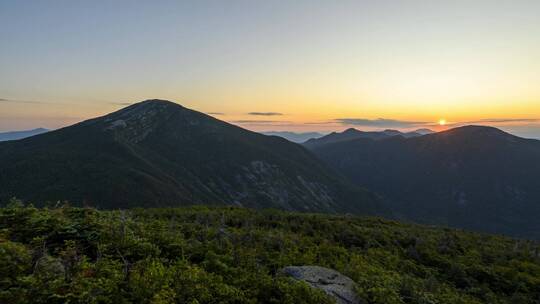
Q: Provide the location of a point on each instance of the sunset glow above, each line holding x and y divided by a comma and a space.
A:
315, 64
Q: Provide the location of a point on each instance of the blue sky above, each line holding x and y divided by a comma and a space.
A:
320, 64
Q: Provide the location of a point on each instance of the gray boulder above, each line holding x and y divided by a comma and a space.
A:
330, 281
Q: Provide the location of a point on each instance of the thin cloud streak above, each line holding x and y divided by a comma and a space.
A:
259, 121
380, 122
21, 101
265, 113
323, 123
41, 102
383, 123
504, 120
265, 123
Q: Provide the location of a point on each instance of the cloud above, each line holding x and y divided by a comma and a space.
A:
526, 131
265, 113
265, 123
215, 113
503, 120
57, 103
41, 102
19, 101
323, 123
259, 121
380, 122
497, 122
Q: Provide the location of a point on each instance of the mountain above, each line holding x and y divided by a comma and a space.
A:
424, 131
416, 133
353, 133
473, 177
346, 135
293, 136
158, 153
14, 135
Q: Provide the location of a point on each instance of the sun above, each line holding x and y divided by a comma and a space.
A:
442, 122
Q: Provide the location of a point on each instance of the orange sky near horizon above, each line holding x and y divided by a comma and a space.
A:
296, 118
297, 66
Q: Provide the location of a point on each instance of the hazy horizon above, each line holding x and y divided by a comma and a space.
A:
522, 131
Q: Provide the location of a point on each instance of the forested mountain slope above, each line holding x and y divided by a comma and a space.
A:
473, 177
158, 153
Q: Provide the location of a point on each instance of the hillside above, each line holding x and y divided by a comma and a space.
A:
473, 177
158, 153
235, 255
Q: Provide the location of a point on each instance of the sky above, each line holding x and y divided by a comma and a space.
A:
275, 65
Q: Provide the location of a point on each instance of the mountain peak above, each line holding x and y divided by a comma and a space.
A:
144, 110
351, 130
476, 130
155, 103
40, 130
392, 132
424, 131
136, 121
158, 153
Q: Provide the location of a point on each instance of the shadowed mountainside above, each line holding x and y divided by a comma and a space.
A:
158, 153
474, 177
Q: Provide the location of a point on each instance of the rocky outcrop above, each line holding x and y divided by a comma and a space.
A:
330, 281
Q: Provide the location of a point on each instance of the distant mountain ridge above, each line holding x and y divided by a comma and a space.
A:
473, 177
353, 133
158, 153
15, 135
297, 137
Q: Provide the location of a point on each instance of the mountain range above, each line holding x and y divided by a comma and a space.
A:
14, 135
297, 137
158, 153
473, 177
353, 133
